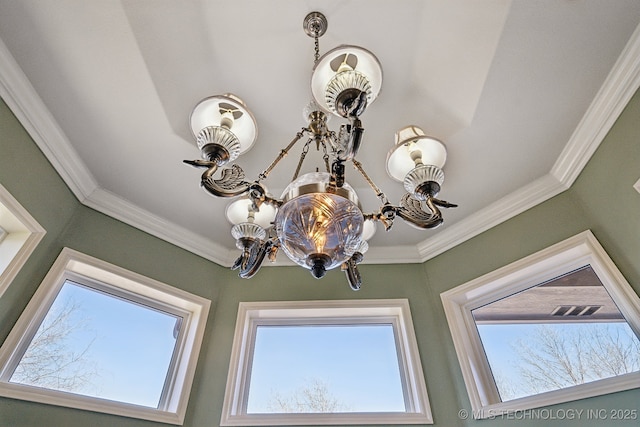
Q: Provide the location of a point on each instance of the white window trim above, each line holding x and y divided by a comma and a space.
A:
547, 264
637, 186
194, 309
22, 235
394, 311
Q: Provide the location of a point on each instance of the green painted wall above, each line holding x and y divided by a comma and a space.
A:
601, 200
27, 175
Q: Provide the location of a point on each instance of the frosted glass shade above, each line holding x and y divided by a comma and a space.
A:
358, 60
319, 230
368, 229
238, 211
411, 144
228, 110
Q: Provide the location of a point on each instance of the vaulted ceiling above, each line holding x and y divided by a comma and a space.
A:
521, 93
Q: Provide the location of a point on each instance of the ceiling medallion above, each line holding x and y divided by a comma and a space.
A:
317, 221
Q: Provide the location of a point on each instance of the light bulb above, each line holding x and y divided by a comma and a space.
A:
226, 119
345, 66
319, 239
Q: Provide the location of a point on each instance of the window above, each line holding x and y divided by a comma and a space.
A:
19, 236
101, 338
559, 325
325, 362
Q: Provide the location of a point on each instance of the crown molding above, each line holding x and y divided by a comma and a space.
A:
131, 214
25, 103
620, 85
509, 206
407, 254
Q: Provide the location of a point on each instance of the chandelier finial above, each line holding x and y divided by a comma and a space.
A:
315, 25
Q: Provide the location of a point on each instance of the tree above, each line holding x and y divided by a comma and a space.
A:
52, 359
554, 358
313, 397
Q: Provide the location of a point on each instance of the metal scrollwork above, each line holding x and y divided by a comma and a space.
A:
386, 215
252, 256
350, 267
411, 211
230, 184
349, 140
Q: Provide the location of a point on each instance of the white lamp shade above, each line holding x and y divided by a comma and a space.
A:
238, 211
209, 111
411, 142
368, 229
360, 59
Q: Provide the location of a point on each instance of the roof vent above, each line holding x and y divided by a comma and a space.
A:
575, 310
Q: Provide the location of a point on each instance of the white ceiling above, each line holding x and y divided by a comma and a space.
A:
521, 92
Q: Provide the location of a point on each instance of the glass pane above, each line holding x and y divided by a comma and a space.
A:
561, 333
311, 369
100, 345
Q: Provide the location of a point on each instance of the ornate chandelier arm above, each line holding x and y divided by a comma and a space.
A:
350, 268
252, 256
386, 215
230, 184
345, 148
258, 195
411, 210
349, 139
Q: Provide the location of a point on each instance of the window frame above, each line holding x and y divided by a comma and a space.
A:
345, 312
104, 277
22, 235
533, 270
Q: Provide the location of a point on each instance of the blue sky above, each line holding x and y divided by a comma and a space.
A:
130, 348
130, 345
358, 364
500, 342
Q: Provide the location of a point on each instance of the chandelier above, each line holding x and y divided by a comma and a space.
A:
318, 221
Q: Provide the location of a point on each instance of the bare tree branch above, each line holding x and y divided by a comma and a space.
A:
313, 397
52, 360
552, 358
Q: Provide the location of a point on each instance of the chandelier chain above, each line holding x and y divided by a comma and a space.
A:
325, 157
303, 154
379, 194
283, 153
316, 44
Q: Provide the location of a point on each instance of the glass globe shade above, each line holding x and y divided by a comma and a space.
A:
318, 229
